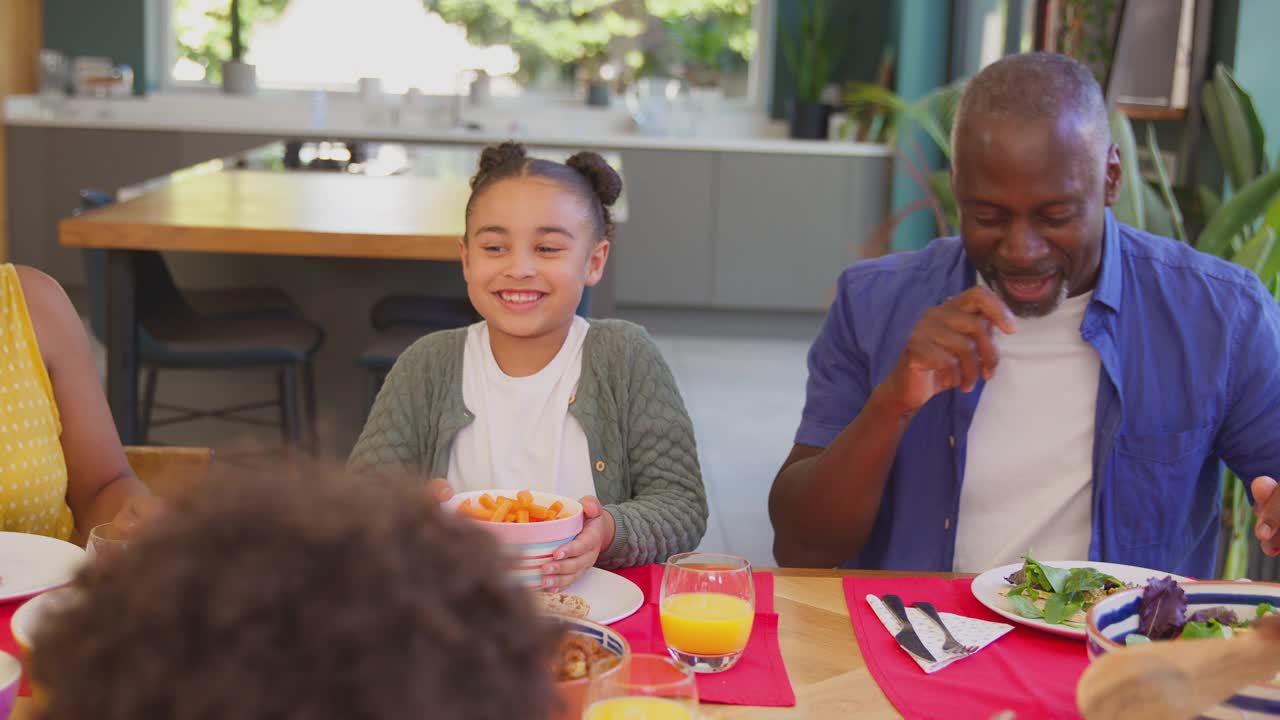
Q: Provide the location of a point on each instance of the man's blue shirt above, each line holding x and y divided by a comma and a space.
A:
1190, 353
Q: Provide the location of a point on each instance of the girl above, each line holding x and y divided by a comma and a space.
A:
536, 397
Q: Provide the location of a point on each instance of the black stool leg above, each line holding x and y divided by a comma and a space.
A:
289, 420
148, 401
309, 399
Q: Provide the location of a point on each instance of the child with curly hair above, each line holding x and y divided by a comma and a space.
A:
536, 397
270, 598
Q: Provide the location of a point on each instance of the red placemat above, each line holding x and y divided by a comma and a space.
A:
1027, 671
7, 641
759, 678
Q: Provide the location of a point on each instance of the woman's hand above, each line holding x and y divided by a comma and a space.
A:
138, 513
575, 557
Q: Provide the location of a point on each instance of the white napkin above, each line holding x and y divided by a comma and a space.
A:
968, 631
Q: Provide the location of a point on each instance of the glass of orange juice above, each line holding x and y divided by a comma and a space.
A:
641, 686
707, 608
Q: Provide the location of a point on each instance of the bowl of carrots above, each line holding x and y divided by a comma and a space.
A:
529, 524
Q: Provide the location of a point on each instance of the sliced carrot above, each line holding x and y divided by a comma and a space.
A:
500, 512
522, 515
486, 501
524, 498
554, 508
537, 512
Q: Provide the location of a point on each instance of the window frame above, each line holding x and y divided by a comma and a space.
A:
759, 68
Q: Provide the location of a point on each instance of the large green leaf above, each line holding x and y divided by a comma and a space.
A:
1239, 511
1128, 207
1155, 215
1255, 253
1270, 269
1166, 188
1235, 128
1238, 215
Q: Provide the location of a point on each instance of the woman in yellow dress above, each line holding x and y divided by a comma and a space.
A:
62, 469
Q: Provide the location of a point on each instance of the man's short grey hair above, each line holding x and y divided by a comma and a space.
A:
1034, 86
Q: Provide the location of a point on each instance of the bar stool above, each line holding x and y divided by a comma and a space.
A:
174, 334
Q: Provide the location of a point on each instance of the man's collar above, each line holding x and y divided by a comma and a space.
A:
1111, 275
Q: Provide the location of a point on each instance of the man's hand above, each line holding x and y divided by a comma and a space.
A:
1266, 505
575, 557
950, 347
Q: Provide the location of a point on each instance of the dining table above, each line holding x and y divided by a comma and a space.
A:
816, 637
384, 201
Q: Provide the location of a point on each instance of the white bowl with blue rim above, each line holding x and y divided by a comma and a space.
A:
1116, 617
529, 546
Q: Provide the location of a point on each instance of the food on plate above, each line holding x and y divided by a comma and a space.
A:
561, 603
1162, 615
518, 509
574, 656
1058, 596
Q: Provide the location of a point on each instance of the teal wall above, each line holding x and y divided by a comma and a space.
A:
922, 29
117, 29
866, 25
1255, 63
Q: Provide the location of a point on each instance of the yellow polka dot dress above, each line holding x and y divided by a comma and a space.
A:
33, 472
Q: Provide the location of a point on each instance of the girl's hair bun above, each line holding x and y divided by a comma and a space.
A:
604, 180
495, 157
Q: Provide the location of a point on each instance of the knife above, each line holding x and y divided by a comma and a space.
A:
906, 637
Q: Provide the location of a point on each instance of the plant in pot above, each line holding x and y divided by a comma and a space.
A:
238, 77
811, 53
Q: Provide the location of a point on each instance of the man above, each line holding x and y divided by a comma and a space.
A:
1050, 380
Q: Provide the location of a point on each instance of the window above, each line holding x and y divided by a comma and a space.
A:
437, 46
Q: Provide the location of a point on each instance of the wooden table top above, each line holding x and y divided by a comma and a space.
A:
275, 213
215, 207
815, 633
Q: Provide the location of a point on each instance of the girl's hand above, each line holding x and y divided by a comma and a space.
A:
439, 490
575, 557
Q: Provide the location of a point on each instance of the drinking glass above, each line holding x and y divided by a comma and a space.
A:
641, 687
707, 608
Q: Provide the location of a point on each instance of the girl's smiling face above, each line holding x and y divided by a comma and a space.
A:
530, 249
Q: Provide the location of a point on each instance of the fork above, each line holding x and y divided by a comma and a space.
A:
951, 645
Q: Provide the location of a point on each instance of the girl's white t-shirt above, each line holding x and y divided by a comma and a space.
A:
523, 436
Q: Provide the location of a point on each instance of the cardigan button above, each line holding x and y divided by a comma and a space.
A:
573, 398
599, 466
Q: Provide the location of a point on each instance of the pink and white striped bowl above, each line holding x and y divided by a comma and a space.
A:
529, 545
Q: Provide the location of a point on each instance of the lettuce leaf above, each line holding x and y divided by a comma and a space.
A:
1163, 609
1204, 630
1025, 607
1059, 607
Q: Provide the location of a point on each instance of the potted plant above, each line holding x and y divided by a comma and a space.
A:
238, 77
811, 54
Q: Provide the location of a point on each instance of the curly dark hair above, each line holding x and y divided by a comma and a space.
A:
272, 598
586, 174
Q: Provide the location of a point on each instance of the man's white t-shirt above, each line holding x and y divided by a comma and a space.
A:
1028, 476
523, 437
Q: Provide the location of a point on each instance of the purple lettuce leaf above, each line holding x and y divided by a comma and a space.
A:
1224, 616
1163, 609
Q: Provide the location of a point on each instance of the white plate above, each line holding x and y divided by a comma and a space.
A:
989, 588
611, 597
31, 564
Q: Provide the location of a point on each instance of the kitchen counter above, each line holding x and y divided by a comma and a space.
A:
731, 128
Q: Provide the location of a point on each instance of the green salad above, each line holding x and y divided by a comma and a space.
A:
1058, 596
